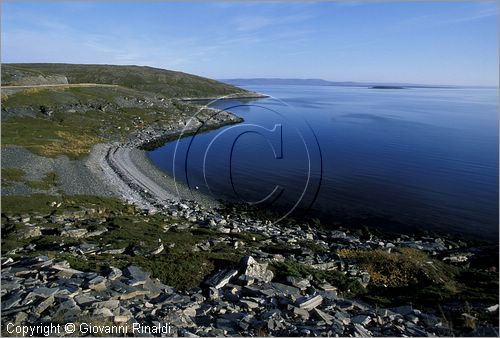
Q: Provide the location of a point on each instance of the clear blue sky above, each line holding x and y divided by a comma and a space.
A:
433, 43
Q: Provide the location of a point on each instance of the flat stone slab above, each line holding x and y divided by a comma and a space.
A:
136, 274
309, 303
221, 278
45, 292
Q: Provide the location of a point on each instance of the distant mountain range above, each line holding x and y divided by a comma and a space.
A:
321, 82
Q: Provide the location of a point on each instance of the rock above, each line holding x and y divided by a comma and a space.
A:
250, 267
158, 250
360, 331
249, 304
286, 290
309, 303
330, 296
69, 305
300, 283
108, 304
43, 305
403, 310
213, 293
7, 261
245, 280
323, 316
102, 313
121, 318
98, 283
137, 275
45, 292
361, 319
32, 232
342, 317
324, 266
76, 233
66, 271
456, 259
20, 318
221, 278
226, 324
118, 251
492, 308
114, 273
84, 300
191, 310
259, 291
301, 313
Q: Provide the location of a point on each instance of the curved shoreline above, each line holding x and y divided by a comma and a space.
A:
126, 170
129, 174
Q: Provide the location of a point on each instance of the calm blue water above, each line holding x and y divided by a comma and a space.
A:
413, 158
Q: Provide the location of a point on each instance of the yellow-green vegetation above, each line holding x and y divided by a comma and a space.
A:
346, 286
404, 267
47, 182
72, 133
50, 138
410, 275
12, 174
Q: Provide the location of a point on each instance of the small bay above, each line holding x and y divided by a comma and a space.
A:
415, 158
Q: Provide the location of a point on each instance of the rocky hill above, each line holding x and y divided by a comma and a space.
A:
166, 82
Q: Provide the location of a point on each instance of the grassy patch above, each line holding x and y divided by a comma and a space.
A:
49, 181
50, 138
401, 268
73, 145
73, 133
411, 276
13, 174
27, 204
335, 278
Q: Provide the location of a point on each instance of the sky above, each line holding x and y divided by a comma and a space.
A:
406, 42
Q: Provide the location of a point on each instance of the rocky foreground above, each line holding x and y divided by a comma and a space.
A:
250, 297
240, 301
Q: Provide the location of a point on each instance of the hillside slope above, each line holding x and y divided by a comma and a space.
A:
62, 109
153, 80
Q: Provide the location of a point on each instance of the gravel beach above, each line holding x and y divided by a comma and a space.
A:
136, 179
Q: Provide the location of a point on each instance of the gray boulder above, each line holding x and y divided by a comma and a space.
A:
251, 268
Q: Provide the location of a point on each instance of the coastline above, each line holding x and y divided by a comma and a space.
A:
243, 96
126, 170
129, 173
